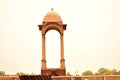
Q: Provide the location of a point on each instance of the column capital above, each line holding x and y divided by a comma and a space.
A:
43, 35
62, 60
62, 35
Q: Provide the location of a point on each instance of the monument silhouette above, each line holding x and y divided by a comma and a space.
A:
52, 21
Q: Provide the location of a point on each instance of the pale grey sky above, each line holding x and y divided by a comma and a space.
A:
92, 38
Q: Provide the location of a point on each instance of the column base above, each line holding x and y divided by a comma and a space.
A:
62, 63
54, 72
43, 66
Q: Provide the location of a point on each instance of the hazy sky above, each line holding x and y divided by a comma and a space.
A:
92, 38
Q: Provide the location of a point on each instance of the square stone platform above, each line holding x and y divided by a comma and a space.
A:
54, 72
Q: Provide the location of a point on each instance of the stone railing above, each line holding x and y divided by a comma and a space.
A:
105, 77
39, 77
9, 78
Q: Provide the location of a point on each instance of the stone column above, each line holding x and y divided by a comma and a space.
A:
43, 53
62, 64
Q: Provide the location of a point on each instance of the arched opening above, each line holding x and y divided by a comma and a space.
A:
53, 49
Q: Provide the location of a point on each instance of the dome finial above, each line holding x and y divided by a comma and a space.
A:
51, 9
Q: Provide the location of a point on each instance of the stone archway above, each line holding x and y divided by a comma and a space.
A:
53, 49
52, 21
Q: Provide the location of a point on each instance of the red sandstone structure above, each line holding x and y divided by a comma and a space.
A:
52, 20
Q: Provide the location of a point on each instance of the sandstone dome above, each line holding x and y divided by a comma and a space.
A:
52, 16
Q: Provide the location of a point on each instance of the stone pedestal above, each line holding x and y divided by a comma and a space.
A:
54, 72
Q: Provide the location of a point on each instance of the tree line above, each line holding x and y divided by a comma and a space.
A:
2, 73
101, 71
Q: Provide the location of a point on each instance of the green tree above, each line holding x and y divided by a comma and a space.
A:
68, 74
87, 73
114, 72
2, 73
20, 73
104, 71
118, 73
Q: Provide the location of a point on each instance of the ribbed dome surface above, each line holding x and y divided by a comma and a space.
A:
52, 16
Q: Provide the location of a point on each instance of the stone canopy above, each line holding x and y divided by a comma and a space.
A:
52, 20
